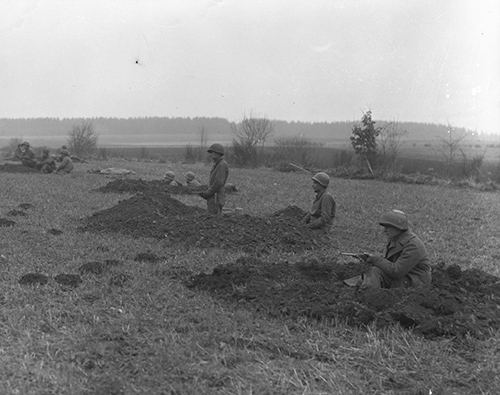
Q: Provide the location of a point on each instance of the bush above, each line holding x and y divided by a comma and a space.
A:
82, 140
294, 149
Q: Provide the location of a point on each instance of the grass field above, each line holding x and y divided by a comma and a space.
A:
148, 334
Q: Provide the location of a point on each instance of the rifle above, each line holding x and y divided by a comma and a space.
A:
362, 256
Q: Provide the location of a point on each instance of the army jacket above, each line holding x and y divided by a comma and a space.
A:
322, 211
404, 256
217, 180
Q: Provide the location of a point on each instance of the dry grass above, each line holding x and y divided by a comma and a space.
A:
149, 334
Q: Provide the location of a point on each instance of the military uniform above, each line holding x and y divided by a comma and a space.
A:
193, 183
322, 211
216, 195
27, 157
405, 264
66, 165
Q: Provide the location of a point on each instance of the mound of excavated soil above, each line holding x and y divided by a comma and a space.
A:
139, 185
17, 168
160, 216
458, 302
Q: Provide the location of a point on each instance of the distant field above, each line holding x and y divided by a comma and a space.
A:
138, 330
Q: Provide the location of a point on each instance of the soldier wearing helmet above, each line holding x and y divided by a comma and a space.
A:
405, 262
215, 194
25, 155
46, 163
323, 208
66, 164
169, 179
191, 180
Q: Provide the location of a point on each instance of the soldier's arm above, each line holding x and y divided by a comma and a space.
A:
218, 181
409, 258
327, 208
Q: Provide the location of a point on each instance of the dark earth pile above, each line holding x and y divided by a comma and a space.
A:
139, 185
17, 168
459, 303
158, 215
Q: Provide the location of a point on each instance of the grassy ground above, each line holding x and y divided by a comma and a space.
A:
137, 329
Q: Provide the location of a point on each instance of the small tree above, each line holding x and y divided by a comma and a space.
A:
82, 140
364, 139
450, 146
250, 134
389, 142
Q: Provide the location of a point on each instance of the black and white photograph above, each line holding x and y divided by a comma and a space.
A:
249, 197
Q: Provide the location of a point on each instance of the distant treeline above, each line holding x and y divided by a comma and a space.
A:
181, 131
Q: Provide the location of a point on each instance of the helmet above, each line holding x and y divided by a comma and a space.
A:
395, 218
217, 148
322, 179
25, 143
170, 174
190, 175
65, 152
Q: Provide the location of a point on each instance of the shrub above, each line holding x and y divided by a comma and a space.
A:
82, 139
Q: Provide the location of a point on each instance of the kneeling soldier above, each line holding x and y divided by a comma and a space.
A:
404, 264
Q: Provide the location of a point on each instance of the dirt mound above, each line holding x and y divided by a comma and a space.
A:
69, 280
6, 222
160, 216
140, 185
25, 206
15, 213
452, 307
290, 212
17, 168
55, 231
147, 257
33, 279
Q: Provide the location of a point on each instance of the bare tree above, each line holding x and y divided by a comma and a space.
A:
450, 146
250, 133
82, 140
389, 142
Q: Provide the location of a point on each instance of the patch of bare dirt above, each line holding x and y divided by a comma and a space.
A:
158, 215
459, 303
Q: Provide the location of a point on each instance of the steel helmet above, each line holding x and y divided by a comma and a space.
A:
395, 218
190, 175
170, 174
322, 179
25, 143
217, 148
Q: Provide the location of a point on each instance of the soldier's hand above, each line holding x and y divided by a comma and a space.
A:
363, 256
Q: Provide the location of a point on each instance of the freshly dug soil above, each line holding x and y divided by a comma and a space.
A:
458, 303
15, 213
158, 215
6, 222
17, 168
139, 185
33, 279
69, 280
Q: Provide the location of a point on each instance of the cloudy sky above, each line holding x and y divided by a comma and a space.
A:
321, 60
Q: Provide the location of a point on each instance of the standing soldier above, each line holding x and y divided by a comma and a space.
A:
404, 264
215, 194
323, 208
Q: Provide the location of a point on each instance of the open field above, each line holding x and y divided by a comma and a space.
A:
137, 329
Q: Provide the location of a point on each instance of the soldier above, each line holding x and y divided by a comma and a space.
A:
170, 179
46, 164
25, 155
323, 208
215, 194
191, 180
404, 264
66, 165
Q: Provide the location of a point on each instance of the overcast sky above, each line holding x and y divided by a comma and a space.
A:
317, 60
